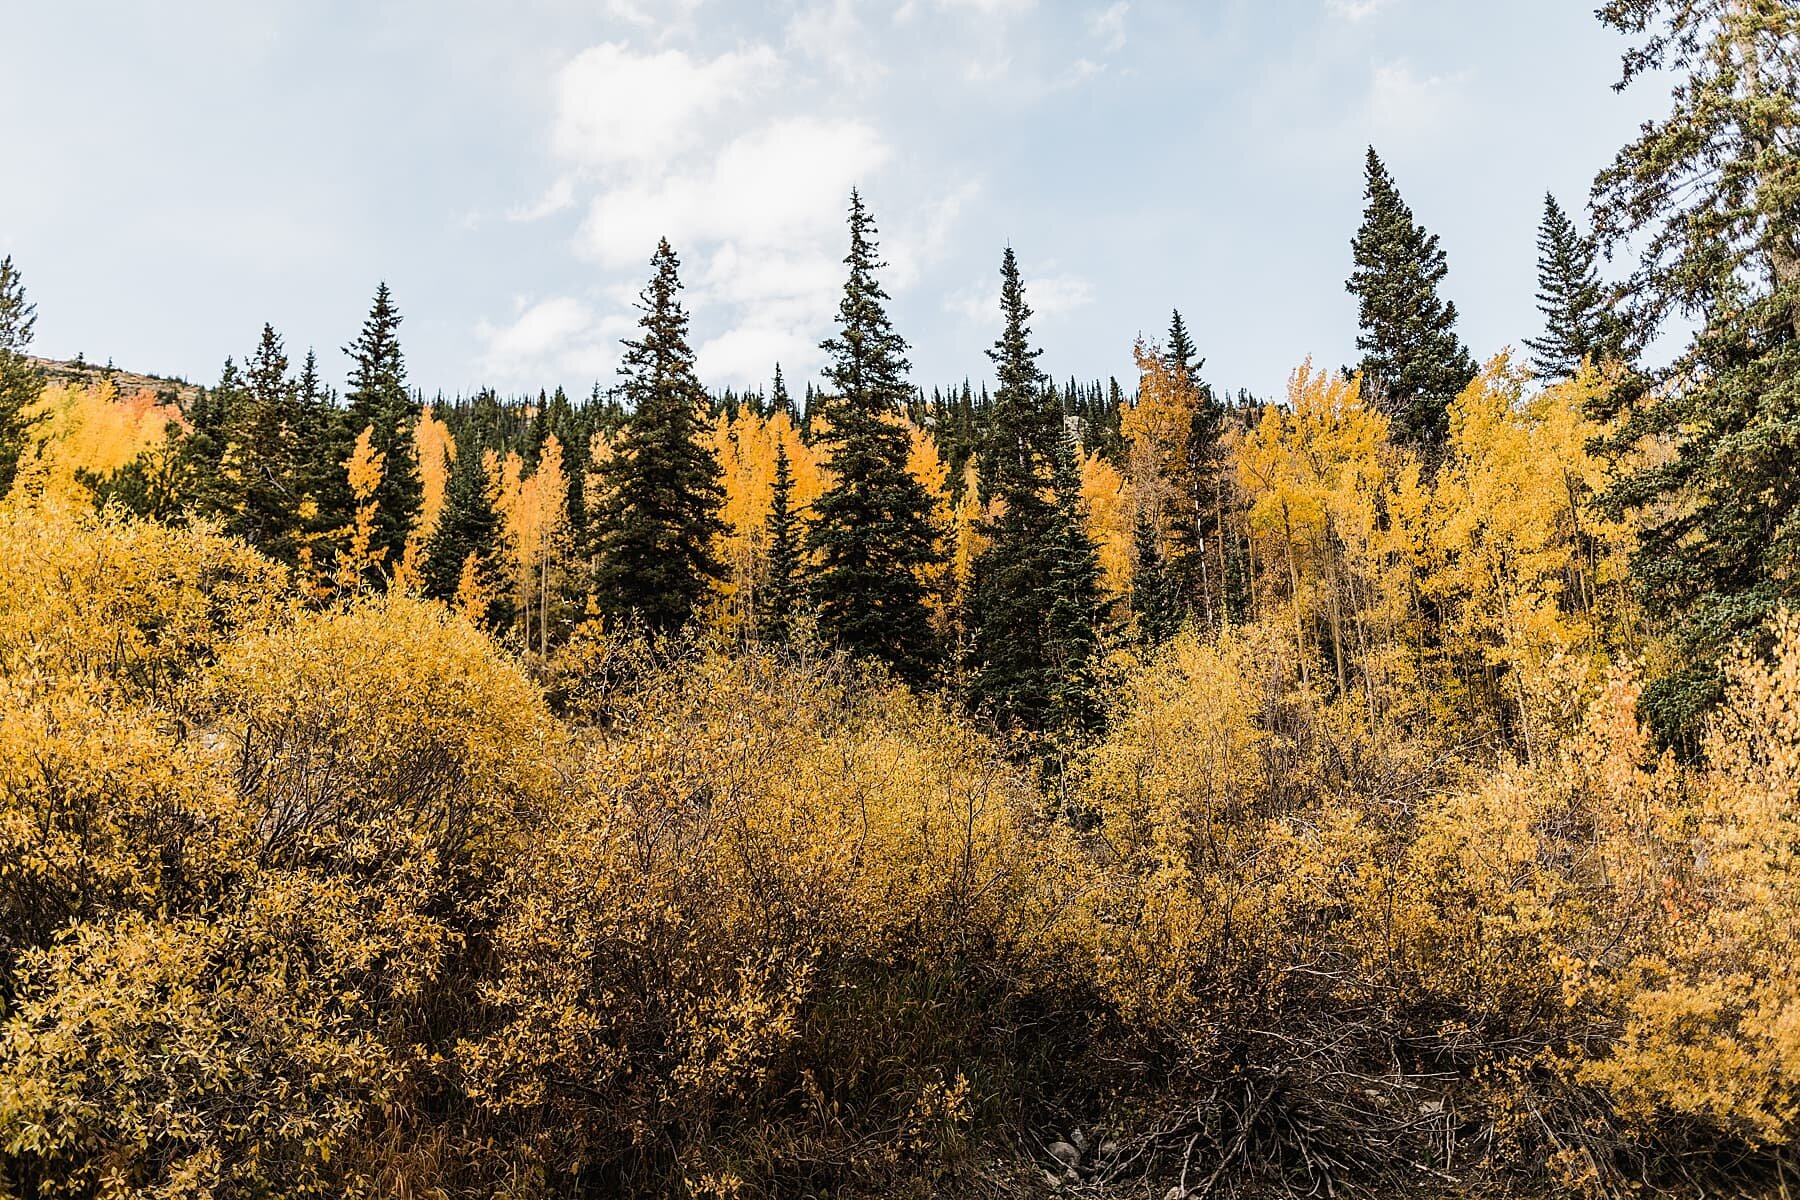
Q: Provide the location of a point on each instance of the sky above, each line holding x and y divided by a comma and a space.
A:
181, 171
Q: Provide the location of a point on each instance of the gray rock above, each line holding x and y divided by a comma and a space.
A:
1065, 1154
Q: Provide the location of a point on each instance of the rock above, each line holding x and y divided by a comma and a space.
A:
1053, 1179
1065, 1154
1175, 1193
1109, 1149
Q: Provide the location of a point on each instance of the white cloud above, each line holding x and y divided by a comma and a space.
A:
1108, 25
1051, 296
665, 17
562, 339
913, 246
760, 229
1356, 10
1001, 9
1404, 104
620, 107
833, 35
556, 198
772, 187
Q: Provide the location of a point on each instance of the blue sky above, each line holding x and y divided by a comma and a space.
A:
183, 170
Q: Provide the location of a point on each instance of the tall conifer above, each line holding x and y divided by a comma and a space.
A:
1012, 607
464, 557
661, 511
1710, 194
378, 399
784, 591
1578, 322
1413, 362
871, 531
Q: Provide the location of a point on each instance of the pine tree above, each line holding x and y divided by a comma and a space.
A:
1578, 322
784, 591
204, 454
1154, 598
779, 400
871, 532
1012, 588
20, 380
378, 399
1181, 353
266, 435
1077, 606
1413, 363
1710, 194
465, 557
664, 493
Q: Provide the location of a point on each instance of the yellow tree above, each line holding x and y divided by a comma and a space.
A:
1107, 502
360, 558
1156, 429
1517, 557
1313, 472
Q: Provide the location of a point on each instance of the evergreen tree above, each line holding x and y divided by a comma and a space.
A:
871, 532
1077, 606
1154, 598
784, 591
1413, 363
266, 438
204, 454
1181, 353
1710, 194
1578, 322
1012, 608
664, 493
20, 380
378, 399
466, 551
779, 400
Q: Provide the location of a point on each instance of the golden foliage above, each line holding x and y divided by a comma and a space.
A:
89, 429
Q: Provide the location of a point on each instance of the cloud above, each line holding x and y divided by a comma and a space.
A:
556, 198
1051, 296
563, 339
1404, 104
833, 35
992, 9
619, 107
1108, 25
665, 17
759, 225
1356, 10
768, 188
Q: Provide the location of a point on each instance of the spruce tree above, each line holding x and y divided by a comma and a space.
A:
782, 596
779, 400
1709, 194
1578, 322
378, 399
1077, 606
205, 456
871, 532
1413, 363
20, 380
468, 536
1154, 598
661, 512
266, 436
1181, 354
1012, 607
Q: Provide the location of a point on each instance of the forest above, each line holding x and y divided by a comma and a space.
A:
1018, 788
